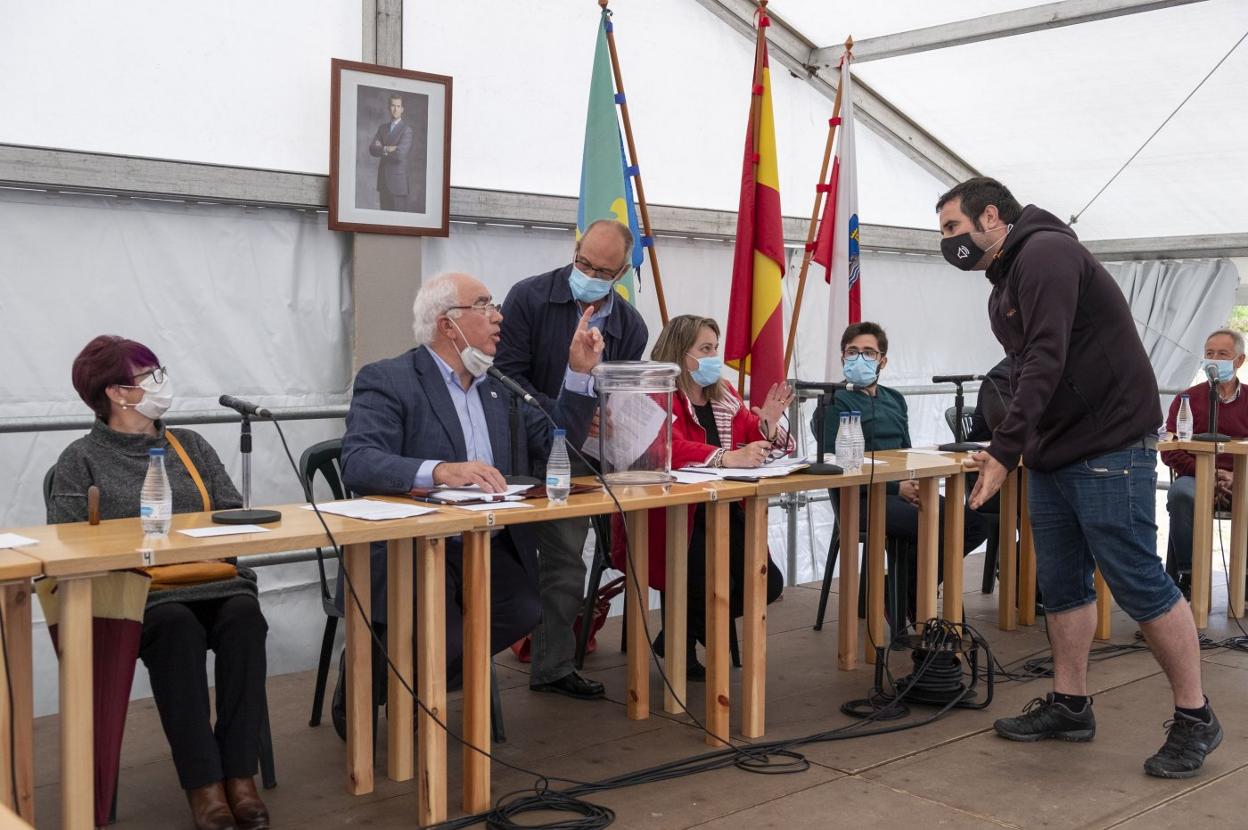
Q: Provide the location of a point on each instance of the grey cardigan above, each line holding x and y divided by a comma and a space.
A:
116, 462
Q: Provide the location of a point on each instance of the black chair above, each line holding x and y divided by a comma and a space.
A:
325, 458
268, 768
993, 543
897, 553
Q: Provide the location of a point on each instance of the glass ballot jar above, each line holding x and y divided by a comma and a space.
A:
634, 444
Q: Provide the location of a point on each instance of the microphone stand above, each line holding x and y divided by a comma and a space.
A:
821, 468
246, 516
960, 444
1212, 436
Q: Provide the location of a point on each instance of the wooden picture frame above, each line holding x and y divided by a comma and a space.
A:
389, 150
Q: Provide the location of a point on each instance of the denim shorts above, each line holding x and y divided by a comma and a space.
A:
1100, 511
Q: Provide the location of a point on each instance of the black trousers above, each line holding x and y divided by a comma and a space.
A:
174, 647
736, 571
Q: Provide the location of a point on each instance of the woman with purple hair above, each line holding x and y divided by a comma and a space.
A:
129, 390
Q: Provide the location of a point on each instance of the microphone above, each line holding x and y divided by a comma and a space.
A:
1211, 372
243, 407
955, 378
513, 387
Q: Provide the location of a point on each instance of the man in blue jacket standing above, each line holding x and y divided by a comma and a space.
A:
540, 317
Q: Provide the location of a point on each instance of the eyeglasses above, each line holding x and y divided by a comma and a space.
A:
869, 354
590, 269
158, 375
485, 309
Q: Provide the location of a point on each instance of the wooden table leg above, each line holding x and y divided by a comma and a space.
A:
717, 622
1007, 555
1239, 538
928, 549
637, 596
399, 702
1104, 604
876, 638
1026, 557
754, 620
431, 760
676, 609
359, 669
1202, 539
847, 601
955, 538
77, 719
476, 670
15, 605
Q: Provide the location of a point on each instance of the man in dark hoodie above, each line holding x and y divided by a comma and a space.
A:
1084, 420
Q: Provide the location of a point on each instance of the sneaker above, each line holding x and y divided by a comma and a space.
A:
1042, 718
1188, 741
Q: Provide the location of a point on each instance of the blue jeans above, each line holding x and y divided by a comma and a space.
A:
1181, 505
1100, 511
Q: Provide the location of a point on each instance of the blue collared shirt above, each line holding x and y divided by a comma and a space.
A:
471, 415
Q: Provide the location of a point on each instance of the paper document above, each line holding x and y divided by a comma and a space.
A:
223, 530
830, 458
452, 495
691, 477
748, 473
496, 505
15, 540
631, 423
371, 509
924, 451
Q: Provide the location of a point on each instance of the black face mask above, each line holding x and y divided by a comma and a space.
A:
961, 251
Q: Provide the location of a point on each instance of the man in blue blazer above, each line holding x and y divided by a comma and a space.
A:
391, 144
432, 416
541, 317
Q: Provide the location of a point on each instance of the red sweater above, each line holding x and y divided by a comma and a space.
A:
1232, 421
737, 425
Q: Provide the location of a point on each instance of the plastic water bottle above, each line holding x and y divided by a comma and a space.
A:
859, 448
1183, 424
156, 499
558, 470
843, 438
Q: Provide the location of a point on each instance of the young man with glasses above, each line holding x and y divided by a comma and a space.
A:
886, 426
539, 317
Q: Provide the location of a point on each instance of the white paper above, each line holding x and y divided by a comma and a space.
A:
749, 473
924, 451
830, 458
496, 505
453, 495
632, 422
371, 509
691, 477
223, 530
15, 540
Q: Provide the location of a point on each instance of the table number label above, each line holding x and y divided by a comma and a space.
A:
149, 558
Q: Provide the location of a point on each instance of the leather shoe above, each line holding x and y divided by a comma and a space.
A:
249, 811
209, 808
572, 685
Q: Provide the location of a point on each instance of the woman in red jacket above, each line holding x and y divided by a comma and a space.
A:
712, 427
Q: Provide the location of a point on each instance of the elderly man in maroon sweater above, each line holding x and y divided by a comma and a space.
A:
1225, 351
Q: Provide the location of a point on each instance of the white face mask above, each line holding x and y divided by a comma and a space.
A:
475, 361
156, 398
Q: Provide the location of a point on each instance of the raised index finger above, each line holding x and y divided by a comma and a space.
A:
584, 323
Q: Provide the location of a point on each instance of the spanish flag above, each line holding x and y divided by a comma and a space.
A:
754, 341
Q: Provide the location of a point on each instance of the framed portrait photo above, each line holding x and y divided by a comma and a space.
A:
389, 150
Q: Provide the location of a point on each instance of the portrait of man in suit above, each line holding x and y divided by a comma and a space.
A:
392, 140
392, 144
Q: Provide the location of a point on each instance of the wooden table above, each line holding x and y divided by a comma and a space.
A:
890, 466
1202, 525
77, 552
16, 571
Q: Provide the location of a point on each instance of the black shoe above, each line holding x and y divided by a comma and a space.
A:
1045, 719
1188, 741
572, 685
694, 670
338, 705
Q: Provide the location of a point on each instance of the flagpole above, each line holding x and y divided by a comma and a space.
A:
632, 157
756, 104
814, 220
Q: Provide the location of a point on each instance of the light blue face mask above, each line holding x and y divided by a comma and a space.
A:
587, 289
708, 371
1226, 369
861, 371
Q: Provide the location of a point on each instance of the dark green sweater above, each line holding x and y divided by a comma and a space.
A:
885, 420
116, 462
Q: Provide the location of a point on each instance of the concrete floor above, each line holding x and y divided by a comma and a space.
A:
952, 773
